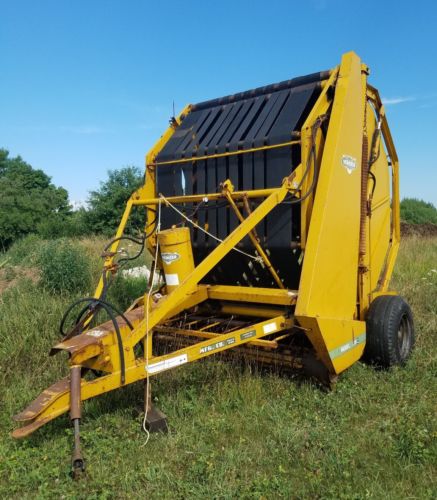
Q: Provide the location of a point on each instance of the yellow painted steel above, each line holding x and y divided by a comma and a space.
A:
250, 310
59, 403
252, 294
394, 209
193, 159
337, 282
320, 108
180, 332
328, 286
176, 255
167, 302
227, 190
149, 188
195, 198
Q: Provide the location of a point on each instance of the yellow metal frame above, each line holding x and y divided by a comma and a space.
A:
224, 155
335, 288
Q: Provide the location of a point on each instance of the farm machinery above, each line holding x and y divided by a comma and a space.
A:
272, 216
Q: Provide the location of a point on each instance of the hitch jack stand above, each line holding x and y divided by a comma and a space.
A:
156, 420
77, 462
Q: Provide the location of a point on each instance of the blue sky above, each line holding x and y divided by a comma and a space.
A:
88, 86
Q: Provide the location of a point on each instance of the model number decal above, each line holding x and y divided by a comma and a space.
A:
217, 345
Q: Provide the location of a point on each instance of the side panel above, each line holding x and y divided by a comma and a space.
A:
339, 342
328, 286
380, 219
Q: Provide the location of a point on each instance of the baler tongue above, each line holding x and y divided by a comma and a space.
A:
260, 223
42, 401
84, 350
88, 342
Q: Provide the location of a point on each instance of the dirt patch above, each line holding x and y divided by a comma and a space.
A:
9, 276
423, 230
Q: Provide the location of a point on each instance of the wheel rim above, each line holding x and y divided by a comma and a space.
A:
404, 337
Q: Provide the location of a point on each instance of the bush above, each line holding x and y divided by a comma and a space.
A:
70, 226
125, 290
64, 267
24, 252
417, 211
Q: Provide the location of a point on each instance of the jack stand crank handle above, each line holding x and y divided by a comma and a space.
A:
77, 461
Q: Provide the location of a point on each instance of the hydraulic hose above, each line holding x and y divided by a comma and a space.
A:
312, 158
98, 302
110, 309
92, 301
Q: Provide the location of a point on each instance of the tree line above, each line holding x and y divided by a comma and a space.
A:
30, 203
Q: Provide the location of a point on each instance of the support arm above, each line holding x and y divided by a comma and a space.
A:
189, 284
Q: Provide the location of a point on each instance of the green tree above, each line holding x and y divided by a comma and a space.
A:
74, 225
106, 205
417, 211
27, 198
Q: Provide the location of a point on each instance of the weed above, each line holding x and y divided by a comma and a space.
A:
64, 267
9, 273
25, 251
234, 431
124, 290
414, 444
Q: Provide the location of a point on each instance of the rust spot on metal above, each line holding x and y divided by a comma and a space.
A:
43, 400
25, 431
81, 343
78, 343
75, 398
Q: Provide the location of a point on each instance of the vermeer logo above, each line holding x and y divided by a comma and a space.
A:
169, 257
349, 163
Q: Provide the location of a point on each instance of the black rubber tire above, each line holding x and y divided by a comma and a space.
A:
390, 332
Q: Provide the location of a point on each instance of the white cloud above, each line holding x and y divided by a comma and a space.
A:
390, 101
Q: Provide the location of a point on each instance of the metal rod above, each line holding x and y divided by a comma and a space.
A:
259, 312
195, 198
249, 211
179, 294
77, 462
255, 242
211, 335
249, 351
363, 201
222, 155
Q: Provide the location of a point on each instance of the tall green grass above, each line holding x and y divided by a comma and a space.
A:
235, 432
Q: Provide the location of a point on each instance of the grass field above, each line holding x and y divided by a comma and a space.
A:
235, 431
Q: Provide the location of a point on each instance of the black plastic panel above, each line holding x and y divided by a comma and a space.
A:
264, 116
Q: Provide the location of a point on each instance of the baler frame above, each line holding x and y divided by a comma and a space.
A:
332, 318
